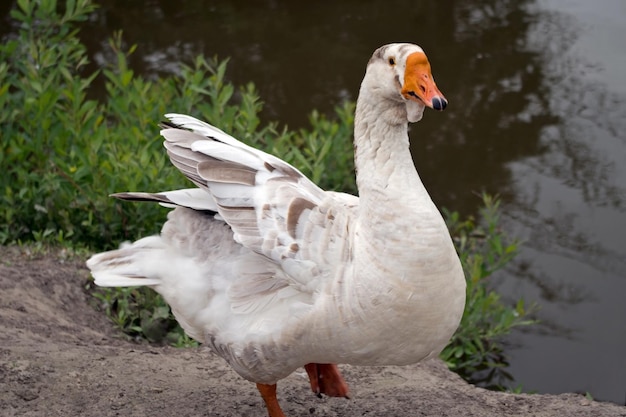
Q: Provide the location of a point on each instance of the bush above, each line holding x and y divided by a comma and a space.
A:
476, 351
63, 154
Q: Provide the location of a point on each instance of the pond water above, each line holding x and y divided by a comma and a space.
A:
537, 114
570, 206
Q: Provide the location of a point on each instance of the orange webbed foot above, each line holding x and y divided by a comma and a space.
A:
326, 379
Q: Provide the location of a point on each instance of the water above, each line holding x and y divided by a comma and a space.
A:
537, 114
570, 206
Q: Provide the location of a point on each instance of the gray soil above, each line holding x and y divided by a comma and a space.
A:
59, 356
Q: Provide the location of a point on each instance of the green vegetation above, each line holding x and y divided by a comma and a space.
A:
476, 351
62, 154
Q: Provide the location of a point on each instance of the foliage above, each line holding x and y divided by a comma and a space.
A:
476, 351
63, 153
142, 314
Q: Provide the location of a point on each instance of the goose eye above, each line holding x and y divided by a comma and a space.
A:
392, 61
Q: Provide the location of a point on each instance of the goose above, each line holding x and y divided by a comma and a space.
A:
273, 273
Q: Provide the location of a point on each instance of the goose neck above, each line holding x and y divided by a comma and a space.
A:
384, 166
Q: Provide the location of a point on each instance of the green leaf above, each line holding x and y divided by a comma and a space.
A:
25, 5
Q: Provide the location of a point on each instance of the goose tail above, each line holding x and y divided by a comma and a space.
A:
126, 267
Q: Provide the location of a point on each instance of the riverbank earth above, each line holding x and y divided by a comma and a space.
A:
59, 356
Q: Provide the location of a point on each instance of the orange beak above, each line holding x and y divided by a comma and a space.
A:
419, 84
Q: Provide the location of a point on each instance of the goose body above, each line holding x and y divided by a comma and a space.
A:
273, 273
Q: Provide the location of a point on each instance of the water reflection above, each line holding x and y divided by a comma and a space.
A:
497, 109
570, 206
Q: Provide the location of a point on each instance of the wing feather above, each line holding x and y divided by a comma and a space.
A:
193, 198
226, 172
272, 208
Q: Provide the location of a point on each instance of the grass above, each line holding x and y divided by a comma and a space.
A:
63, 153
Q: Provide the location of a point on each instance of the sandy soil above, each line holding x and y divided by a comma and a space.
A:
60, 357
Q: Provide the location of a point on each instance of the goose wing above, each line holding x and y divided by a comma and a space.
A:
272, 208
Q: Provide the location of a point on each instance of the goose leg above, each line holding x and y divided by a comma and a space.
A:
326, 379
268, 392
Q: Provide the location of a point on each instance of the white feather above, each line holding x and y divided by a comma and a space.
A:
111, 280
194, 198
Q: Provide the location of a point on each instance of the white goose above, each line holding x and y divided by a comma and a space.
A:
273, 273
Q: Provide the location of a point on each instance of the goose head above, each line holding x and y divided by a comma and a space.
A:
400, 73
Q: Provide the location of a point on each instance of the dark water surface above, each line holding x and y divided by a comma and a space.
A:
537, 114
569, 203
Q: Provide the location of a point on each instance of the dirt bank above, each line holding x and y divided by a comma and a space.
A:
59, 357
